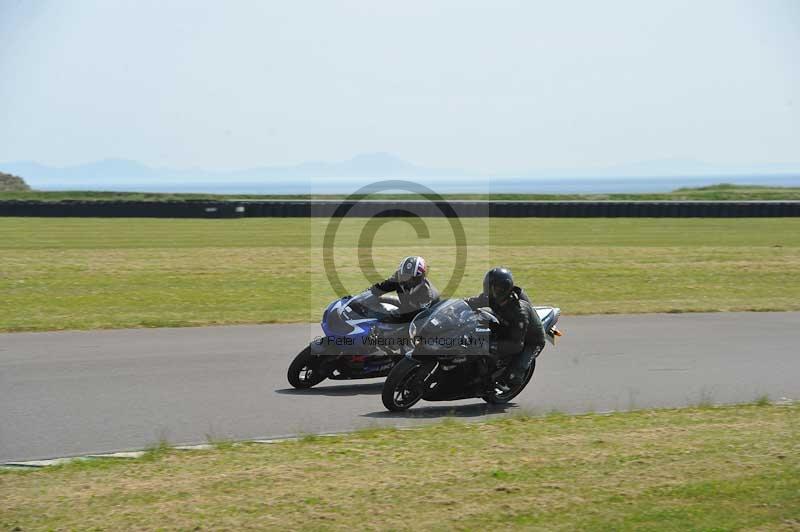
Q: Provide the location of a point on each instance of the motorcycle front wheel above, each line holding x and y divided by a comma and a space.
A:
402, 390
305, 370
501, 393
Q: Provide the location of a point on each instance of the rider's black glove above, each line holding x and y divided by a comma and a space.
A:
473, 305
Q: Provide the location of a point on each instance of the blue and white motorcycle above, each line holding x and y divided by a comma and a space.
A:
364, 336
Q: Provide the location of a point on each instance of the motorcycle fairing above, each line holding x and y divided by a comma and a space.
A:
336, 322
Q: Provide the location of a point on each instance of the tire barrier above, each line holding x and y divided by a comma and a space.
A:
123, 209
462, 209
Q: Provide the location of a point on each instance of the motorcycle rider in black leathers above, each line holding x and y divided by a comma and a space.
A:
520, 334
414, 291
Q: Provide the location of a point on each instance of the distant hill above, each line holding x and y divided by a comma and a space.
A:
111, 172
343, 176
12, 183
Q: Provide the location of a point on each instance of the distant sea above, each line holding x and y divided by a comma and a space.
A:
598, 185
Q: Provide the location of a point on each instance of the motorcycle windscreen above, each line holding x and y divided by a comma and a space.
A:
451, 327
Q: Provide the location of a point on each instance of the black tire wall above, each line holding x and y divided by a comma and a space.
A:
463, 209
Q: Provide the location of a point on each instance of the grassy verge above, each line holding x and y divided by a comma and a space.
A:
721, 468
105, 273
708, 193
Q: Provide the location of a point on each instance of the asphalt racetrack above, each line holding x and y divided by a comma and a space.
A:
72, 393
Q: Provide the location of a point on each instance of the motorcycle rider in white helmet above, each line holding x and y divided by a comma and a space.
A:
410, 282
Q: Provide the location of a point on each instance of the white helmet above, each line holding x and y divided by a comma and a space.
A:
412, 271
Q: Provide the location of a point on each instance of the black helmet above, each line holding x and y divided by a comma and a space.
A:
498, 284
412, 271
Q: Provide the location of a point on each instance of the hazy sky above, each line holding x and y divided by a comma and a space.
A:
487, 86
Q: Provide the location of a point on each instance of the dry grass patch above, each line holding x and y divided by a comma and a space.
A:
721, 468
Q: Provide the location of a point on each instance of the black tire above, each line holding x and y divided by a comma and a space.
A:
304, 371
396, 396
503, 398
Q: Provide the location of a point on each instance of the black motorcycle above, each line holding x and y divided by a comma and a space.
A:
450, 358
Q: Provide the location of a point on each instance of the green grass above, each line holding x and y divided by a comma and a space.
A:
709, 193
721, 468
76, 273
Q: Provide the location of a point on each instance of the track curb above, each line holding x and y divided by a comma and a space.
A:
131, 455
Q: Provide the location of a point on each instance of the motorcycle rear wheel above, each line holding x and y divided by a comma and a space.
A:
399, 392
499, 397
305, 370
